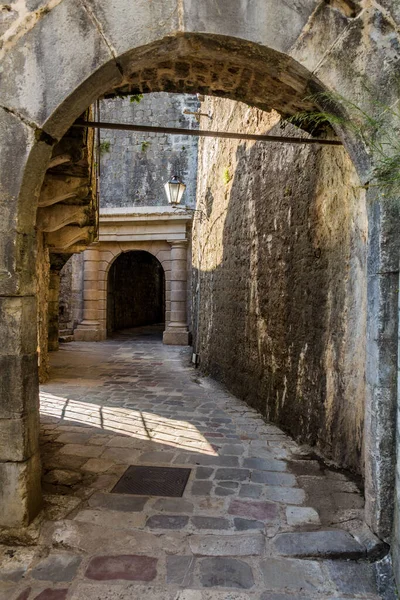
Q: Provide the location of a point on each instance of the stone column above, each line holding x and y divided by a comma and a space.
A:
177, 333
89, 329
53, 310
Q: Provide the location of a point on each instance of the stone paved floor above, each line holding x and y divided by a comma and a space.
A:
259, 518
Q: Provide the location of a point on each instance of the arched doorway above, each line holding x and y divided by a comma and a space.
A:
135, 291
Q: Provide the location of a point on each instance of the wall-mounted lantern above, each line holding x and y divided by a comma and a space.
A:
174, 189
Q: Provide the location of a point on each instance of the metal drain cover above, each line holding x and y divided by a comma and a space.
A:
153, 481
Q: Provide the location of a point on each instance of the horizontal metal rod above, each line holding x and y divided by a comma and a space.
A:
201, 133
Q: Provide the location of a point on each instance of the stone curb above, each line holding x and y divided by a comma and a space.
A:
333, 544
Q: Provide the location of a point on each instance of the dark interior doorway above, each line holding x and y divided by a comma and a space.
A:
135, 291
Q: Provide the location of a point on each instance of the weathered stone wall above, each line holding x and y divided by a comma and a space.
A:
71, 292
42, 298
279, 280
134, 166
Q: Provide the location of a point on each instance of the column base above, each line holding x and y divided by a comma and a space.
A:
176, 338
88, 331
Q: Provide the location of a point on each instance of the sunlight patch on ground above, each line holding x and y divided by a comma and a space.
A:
126, 421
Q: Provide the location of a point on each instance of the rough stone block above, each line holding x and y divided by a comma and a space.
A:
352, 577
262, 464
113, 519
62, 477
301, 515
15, 563
319, 544
52, 594
220, 491
21, 495
227, 545
328, 25
263, 511
247, 524
261, 17
210, 523
248, 490
226, 573
232, 474
81, 450
173, 505
155, 458
87, 334
17, 330
121, 502
180, 570
167, 522
204, 472
128, 566
201, 488
38, 96
231, 485
175, 338
21, 167
128, 26
286, 495
57, 567
273, 478
18, 385
19, 437
291, 575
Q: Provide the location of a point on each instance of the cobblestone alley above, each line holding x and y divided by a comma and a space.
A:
259, 518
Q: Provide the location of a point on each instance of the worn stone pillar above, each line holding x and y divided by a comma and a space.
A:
53, 310
381, 364
177, 333
20, 470
89, 329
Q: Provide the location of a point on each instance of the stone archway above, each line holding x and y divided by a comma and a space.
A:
244, 50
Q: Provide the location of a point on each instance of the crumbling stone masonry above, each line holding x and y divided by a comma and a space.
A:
279, 286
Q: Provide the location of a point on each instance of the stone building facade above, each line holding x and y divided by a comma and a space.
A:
134, 167
135, 215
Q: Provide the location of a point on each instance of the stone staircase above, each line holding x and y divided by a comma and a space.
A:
65, 336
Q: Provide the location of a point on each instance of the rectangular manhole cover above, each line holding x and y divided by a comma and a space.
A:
153, 481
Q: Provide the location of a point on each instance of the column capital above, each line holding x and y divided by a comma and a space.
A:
178, 242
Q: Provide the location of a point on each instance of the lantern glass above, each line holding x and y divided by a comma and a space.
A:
174, 189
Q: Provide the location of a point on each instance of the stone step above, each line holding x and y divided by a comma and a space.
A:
64, 339
333, 544
67, 331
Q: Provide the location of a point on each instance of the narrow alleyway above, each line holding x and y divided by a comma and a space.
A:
259, 518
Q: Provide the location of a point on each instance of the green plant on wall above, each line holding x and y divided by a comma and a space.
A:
104, 147
145, 146
380, 134
226, 176
136, 98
